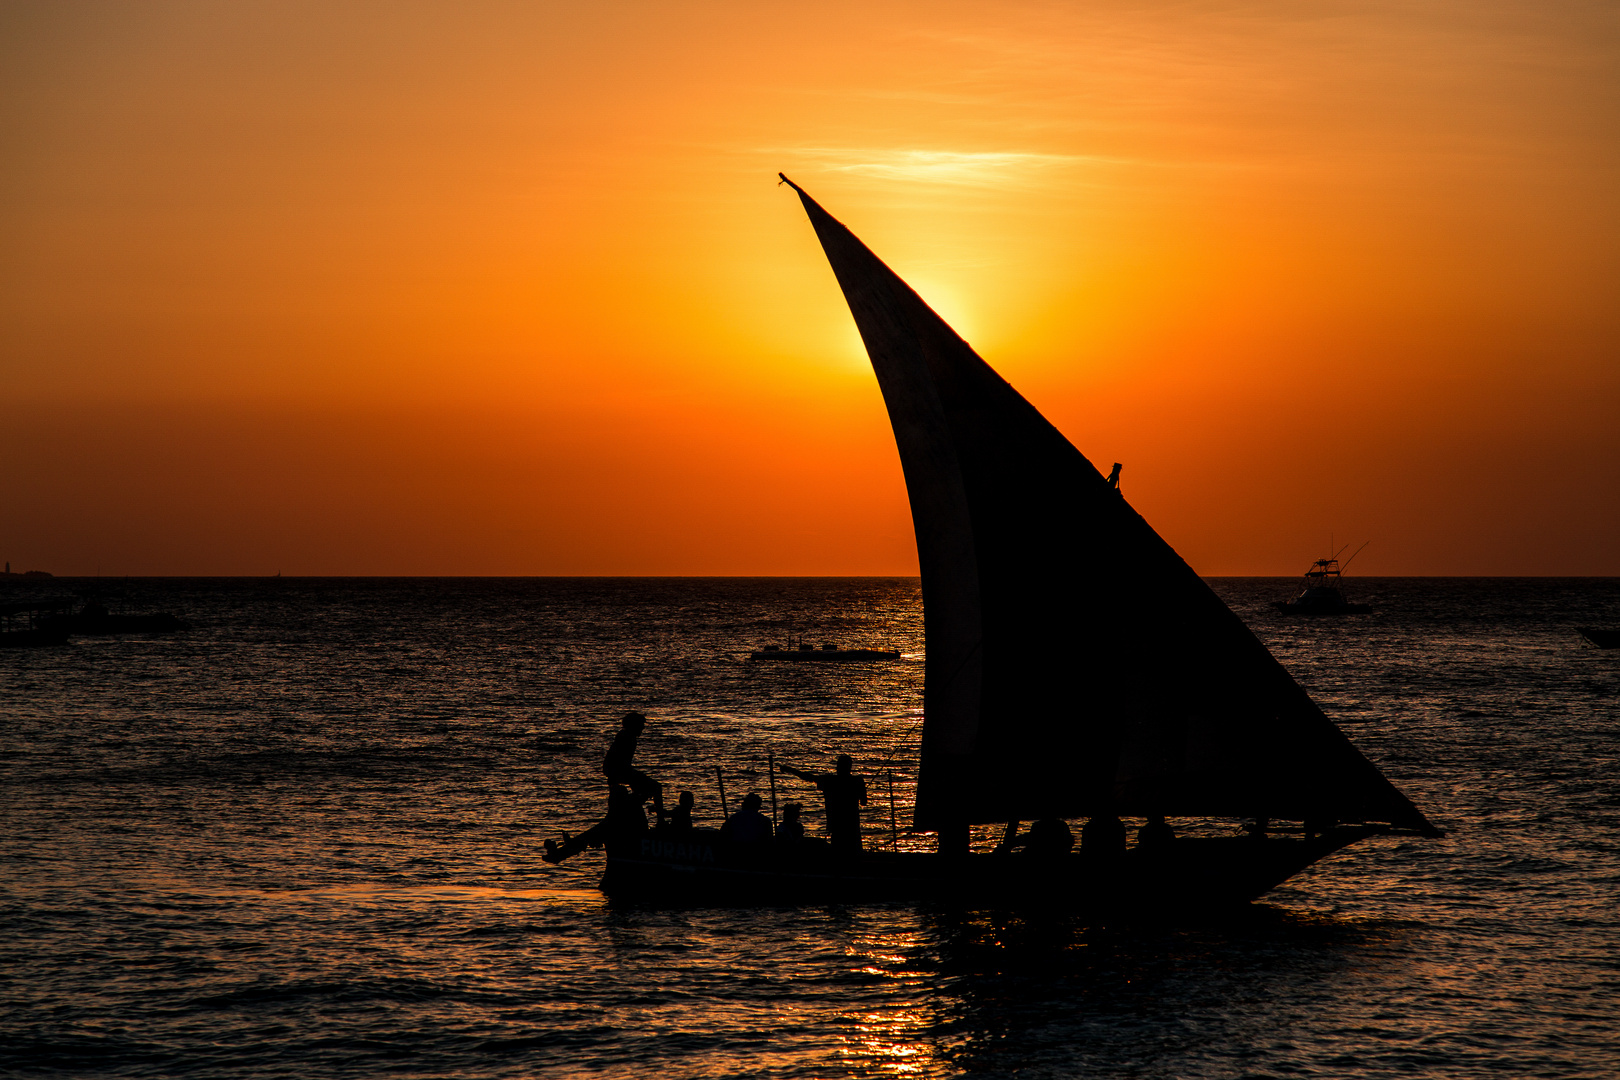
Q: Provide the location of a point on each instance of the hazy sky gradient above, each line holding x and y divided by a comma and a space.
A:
509, 289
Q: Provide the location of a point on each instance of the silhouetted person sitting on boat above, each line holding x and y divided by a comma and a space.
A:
624, 818
747, 826
1257, 828
625, 814
791, 832
844, 794
1103, 837
619, 763
1157, 833
1049, 838
680, 818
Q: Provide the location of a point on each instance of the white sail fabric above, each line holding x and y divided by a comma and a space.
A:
1076, 664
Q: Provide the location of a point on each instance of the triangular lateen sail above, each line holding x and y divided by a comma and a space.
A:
1076, 664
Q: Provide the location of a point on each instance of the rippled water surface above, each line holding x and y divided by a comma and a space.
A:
303, 839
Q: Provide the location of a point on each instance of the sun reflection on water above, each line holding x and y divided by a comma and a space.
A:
895, 1038
894, 1042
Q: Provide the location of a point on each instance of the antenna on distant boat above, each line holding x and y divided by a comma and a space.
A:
1353, 555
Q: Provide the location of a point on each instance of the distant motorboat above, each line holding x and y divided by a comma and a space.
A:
1320, 594
28, 625
94, 620
1603, 639
798, 651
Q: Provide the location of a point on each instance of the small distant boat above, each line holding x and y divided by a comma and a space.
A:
798, 651
1603, 639
95, 620
1320, 593
28, 625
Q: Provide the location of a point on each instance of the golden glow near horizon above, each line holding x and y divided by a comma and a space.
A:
507, 289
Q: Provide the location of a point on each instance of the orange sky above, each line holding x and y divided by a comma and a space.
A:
508, 288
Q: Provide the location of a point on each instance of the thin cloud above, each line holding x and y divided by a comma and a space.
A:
985, 169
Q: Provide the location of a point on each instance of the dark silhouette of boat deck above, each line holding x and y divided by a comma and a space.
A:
1197, 872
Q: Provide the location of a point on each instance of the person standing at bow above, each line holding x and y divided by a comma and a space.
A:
843, 794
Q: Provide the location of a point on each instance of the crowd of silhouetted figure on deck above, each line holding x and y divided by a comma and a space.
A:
629, 790
747, 830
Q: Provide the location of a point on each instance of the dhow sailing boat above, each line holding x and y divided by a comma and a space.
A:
1076, 668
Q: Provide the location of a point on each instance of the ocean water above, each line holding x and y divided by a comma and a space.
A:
303, 839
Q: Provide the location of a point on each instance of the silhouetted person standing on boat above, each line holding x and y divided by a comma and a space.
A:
619, 764
844, 794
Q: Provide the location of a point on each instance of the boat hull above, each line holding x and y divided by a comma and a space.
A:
1191, 874
1603, 639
